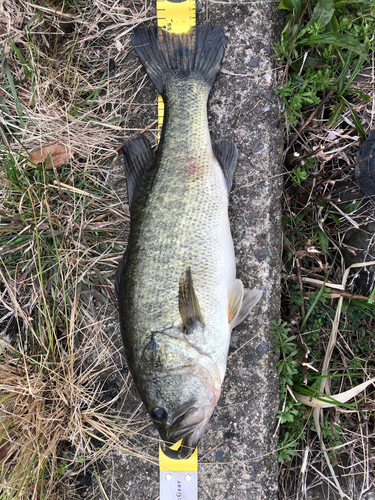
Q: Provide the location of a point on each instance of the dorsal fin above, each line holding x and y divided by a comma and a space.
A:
241, 302
226, 153
188, 302
138, 158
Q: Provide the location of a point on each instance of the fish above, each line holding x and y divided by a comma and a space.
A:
178, 295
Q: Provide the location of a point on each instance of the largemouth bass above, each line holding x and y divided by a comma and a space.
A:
178, 294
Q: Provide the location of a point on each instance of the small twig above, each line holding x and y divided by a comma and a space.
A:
278, 420
291, 393
298, 159
58, 13
310, 118
350, 182
345, 215
340, 293
230, 73
61, 185
319, 283
242, 346
116, 150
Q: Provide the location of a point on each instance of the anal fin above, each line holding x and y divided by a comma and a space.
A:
241, 302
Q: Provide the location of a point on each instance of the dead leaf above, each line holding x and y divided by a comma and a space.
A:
343, 397
56, 155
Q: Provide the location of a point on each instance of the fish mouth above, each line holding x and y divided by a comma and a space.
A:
186, 423
186, 446
187, 435
189, 423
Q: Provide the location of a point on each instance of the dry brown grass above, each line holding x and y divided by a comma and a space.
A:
65, 79
55, 421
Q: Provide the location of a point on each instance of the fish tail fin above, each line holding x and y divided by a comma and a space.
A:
165, 56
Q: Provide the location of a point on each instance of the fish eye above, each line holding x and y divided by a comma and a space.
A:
158, 414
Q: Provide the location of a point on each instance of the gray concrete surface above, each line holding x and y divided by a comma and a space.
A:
237, 452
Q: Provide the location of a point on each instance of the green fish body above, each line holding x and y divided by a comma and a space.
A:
178, 294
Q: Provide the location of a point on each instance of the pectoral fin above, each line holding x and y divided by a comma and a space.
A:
188, 302
241, 302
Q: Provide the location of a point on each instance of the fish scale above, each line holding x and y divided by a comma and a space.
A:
185, 223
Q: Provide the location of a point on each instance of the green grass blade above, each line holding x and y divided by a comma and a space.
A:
92, 96
342, 76
323, 240
338, 40
357, 123
371, 298
292, 5
336, 113
25, 64
13, 90
318, 295
358, 65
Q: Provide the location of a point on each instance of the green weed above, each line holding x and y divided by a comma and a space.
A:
292, 415
287, 448
284, 342
323, 47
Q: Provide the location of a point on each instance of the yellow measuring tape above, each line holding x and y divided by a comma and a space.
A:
176, 17
178, 477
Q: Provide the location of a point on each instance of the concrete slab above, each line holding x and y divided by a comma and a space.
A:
237, 452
